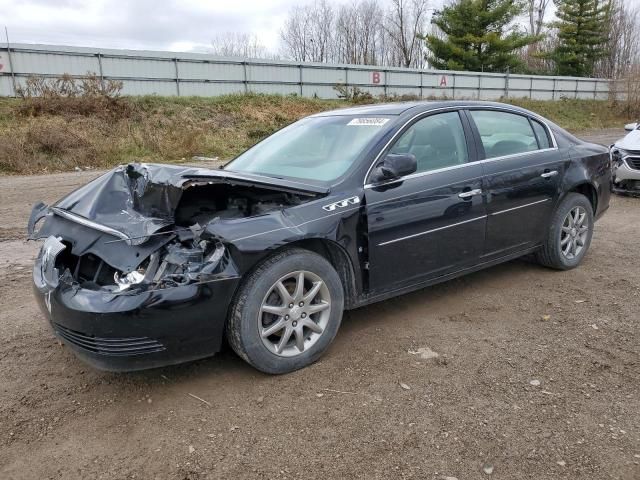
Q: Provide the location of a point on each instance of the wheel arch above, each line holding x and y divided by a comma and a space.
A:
337, 255
587, 189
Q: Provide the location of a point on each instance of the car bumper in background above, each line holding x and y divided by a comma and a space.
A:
624, 172
626, 180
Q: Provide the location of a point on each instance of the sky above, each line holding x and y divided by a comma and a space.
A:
178, 25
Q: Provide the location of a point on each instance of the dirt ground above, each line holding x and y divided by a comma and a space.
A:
538, 377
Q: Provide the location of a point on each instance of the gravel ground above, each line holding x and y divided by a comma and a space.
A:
537, 376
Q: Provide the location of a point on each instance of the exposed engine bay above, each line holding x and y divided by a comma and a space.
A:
143, 227
203, 203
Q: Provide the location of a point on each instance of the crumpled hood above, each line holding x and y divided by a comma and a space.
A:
140, 199
630, 142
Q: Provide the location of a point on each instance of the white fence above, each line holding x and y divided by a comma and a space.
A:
170, 73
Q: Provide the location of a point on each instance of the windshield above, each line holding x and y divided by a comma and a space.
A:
317, 148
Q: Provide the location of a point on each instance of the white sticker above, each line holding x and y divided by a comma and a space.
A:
370, 121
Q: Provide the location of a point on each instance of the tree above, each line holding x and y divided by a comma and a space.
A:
536, 11
236, 44
583, 36
623, 44
404, 23
478, 35
296, 36
369, 32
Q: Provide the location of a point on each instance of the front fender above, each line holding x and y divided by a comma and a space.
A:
251, 240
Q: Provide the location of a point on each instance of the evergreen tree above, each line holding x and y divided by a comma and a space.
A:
583, 31
478, 36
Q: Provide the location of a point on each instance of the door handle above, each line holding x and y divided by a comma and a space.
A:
550, 174
470, 193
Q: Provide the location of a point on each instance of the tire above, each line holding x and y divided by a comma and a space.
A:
262, 289
553, 252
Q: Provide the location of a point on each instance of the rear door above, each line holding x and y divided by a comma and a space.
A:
433, 221
523, 170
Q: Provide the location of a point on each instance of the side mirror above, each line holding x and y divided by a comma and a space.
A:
630, 127
394, 165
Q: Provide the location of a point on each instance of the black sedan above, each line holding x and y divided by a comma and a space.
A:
151, 265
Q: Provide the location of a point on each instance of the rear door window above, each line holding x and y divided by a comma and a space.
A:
504, 133
541, 133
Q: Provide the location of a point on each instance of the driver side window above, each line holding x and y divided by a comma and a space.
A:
437, 141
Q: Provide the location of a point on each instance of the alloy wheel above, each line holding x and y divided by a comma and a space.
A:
574, 232
294, 313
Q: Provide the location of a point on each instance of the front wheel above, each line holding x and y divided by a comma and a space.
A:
286, 312
569, 234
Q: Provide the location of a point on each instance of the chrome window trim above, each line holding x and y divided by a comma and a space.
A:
88, 223
419, 191
457, 108
430, 231
419, 174
519, 154
453, 167
542, 121
440, 186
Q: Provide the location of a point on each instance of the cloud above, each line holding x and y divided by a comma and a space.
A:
142, 24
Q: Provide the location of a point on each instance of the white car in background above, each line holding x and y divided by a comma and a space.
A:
625, 161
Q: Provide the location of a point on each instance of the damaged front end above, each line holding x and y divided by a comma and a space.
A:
133, 274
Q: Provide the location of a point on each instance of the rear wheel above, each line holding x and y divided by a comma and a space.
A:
569, 234
287, 312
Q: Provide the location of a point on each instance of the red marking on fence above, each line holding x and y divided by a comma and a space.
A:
443, 81
375, 77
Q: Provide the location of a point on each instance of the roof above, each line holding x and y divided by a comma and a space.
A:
399, 108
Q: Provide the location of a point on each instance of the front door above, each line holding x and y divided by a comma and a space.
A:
431, 222
523, 170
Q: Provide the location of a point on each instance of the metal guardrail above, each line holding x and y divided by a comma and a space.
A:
170, 73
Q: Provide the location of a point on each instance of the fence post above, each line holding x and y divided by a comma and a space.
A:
99, 55
175, 64
245, 80
531, 88
13, 75
453, 94
506, 84
300, 77
346, 77
575, 94
553, 91
421, 86
384, 86
479, 85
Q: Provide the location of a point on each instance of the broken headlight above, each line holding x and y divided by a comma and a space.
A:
617, 156
177, 264
132, 278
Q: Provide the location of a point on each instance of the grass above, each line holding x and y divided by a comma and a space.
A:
576, 115
65, 133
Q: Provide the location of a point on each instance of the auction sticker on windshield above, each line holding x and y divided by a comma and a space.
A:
370, 121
